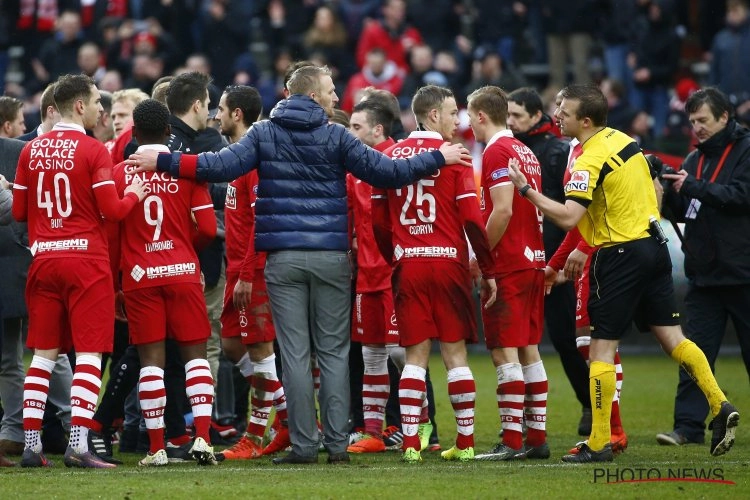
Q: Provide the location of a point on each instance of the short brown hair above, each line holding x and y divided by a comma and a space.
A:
592, 103
493, 101
70, 88
428, 98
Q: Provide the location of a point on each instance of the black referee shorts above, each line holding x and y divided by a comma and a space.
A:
631, 281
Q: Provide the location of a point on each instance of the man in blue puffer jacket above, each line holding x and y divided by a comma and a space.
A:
301, 222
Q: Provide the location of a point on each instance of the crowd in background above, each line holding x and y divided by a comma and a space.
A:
651, 53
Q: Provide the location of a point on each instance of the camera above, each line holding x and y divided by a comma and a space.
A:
658, 168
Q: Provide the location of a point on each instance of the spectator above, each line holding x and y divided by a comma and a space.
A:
378, 72
11, 117
421, 73
111, 81
437, 21
569, 27
620, 114
618, 27
654, 61
730, 54
225, 35
285, 23
299, 254
356, 13
89, 60
327, 36
392, 34
489, 69
59, 55
499, 24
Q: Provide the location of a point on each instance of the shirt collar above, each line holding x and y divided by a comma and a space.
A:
500, 133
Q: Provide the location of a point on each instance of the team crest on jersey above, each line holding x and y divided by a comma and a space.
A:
499, 173
420, 142
578, 183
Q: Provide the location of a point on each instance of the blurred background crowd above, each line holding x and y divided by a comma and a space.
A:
648, 54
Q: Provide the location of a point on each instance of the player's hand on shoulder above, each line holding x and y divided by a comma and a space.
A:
456, 154
138, 187
144, 161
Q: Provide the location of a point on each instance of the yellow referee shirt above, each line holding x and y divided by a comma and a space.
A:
611, 178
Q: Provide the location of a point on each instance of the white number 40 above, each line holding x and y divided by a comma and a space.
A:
61, 186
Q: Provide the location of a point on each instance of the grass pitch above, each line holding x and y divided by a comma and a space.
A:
648, 394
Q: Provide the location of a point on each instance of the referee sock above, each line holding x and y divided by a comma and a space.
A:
84, 393
153, 398
463, 392
35, 390
199, 387
694, 362
602, 382
535, 403
412, 391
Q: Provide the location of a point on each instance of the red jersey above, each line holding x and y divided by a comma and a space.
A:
428, 217
373, 272
156, 238
521, 246
63, 186
239, 227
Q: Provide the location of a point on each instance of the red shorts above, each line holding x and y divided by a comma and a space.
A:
253, 326
582, 297
433, 301
174, 311
373, 318
70, 295
516, 318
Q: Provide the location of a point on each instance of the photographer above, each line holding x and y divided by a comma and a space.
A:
711, 195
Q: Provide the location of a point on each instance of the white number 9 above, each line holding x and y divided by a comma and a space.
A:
150, 220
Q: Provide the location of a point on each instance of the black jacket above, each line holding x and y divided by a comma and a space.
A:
188, 140
552, 153
717, 238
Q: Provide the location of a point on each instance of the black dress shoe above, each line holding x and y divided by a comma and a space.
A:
339, 458
293, 458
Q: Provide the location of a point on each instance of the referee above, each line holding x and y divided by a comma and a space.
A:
611, 198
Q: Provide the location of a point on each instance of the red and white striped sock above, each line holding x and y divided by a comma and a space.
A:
412, 391
582, 344
462, 392
376, 387
35, 390
265, 384
510, 394
199, 387
535, 403
615, 421
84, 393
315, 375
153, 398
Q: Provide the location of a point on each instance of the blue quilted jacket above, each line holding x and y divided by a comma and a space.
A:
302, 162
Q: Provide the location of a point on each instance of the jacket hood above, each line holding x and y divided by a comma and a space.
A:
298, 112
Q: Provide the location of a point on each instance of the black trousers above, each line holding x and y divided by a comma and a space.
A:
708, 309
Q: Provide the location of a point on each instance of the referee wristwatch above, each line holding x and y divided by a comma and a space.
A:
524, 190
